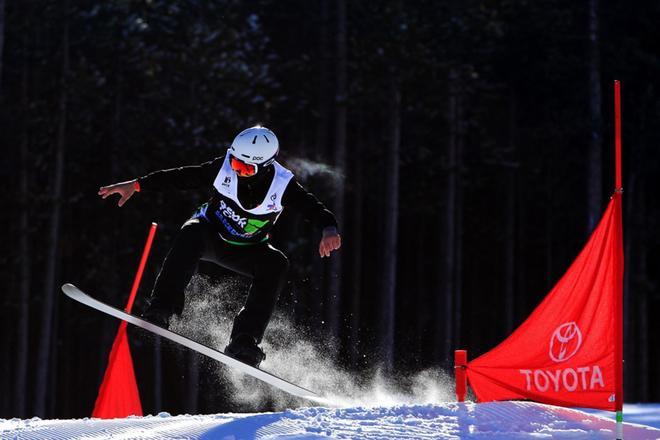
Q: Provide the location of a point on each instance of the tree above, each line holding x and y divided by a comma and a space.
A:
391, 224
50, 295
510, 237
451, 286
2, 34
595, 161
334, 294
356, 243
22, 332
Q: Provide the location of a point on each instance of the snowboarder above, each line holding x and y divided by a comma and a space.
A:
250, 189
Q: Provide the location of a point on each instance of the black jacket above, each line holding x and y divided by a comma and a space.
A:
251, 190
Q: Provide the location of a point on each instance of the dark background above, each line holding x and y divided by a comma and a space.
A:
466, 147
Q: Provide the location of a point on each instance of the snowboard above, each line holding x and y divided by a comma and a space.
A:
74, 293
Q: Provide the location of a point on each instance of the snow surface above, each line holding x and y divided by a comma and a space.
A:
498, 420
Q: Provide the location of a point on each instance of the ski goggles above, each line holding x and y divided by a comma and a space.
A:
243, 169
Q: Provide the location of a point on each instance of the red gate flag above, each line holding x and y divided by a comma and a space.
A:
568, 352
119, 395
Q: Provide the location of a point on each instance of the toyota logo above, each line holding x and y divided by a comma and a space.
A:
565, 342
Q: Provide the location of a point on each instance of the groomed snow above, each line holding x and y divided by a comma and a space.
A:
499, 420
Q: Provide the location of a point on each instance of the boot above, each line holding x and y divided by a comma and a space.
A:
244, 348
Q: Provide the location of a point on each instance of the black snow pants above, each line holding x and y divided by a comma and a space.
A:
197, 240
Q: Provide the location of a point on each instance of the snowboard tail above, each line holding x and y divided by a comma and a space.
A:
74, 293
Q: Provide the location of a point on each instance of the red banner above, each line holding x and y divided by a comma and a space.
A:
119, 395
568, 352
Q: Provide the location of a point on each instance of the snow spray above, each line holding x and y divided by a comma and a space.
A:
293, 355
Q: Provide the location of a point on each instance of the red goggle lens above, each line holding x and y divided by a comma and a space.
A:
242, 169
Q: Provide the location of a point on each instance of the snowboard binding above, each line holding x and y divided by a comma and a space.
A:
244, 348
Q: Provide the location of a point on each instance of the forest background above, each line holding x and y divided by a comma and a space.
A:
465, 147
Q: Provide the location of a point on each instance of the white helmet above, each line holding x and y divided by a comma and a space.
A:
256, 145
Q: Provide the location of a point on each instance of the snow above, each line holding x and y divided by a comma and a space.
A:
497, 420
